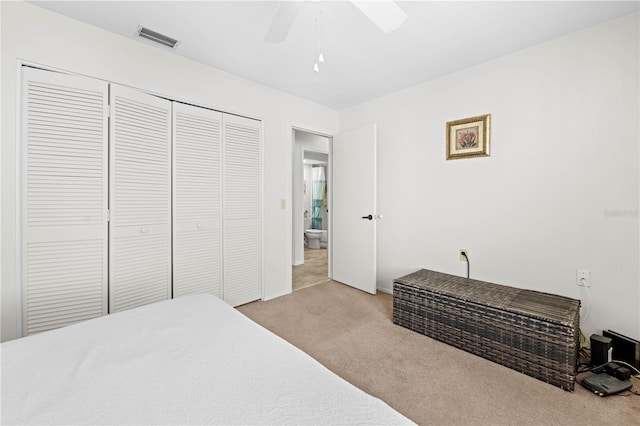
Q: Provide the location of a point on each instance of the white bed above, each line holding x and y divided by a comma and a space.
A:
191, 360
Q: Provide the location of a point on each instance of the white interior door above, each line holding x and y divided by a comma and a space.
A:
64, 199
242, 209
197, 216
354, 208
140, 199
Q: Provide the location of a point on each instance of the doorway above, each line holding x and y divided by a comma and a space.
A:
311, 198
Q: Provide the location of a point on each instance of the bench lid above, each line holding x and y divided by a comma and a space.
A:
544, 306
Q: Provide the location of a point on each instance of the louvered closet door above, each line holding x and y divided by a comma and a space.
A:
64, 199
140, 199
197, 227
242, 218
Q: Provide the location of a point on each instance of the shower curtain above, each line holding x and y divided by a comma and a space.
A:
317, 197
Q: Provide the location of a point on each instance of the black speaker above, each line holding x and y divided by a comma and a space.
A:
600, 349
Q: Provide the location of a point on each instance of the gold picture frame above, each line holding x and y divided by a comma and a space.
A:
469, 137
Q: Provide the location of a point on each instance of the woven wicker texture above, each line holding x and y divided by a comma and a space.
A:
531, 332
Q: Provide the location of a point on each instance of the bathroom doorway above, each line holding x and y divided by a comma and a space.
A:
311, 200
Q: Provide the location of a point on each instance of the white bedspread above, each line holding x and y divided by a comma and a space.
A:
189, 360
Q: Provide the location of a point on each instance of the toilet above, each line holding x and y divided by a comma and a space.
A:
313, 237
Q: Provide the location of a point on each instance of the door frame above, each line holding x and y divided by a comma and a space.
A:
292, 208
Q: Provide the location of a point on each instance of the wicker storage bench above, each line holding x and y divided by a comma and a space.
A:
535, 333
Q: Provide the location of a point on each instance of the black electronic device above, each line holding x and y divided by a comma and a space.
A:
624, 348
617, 371
600, 349
603, 384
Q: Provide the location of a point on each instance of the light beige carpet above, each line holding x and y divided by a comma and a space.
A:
352, 334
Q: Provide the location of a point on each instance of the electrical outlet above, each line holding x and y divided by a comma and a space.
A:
464, 259
583, 278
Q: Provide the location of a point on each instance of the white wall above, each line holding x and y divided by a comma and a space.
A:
559, 192
36, 35
310, 142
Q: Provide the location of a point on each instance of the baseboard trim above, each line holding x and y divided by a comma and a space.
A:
385, 290
275, 296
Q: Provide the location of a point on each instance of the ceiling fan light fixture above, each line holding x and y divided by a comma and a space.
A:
321, 58
316, 68
157, 37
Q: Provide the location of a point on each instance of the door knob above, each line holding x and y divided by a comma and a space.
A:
370, 217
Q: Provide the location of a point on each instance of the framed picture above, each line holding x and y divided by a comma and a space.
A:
469, 137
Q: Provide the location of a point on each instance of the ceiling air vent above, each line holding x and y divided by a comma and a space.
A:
157, 37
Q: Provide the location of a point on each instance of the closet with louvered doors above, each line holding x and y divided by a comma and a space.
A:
140, 199
64, 199
128, 199
217, 221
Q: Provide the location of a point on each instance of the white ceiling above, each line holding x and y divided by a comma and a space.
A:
361, 62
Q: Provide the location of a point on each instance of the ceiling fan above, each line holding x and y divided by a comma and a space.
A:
385, 14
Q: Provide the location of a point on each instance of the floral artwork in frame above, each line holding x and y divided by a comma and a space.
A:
469, 137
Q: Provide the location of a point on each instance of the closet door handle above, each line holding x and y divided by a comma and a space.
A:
370, 217
199, 226
143, 230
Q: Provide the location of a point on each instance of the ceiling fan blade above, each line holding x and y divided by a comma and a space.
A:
282, 21
386, 14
